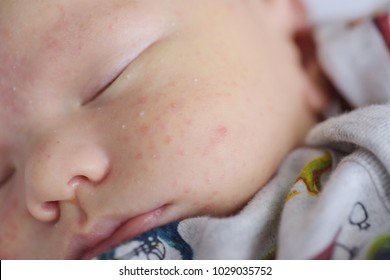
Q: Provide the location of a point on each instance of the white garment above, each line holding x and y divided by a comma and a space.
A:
350, 217
323, 12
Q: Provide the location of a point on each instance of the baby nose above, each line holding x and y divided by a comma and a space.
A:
55, 170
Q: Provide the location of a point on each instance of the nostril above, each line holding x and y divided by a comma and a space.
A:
77, 181
50, 211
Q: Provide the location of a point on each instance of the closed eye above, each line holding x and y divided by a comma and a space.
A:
96, 93
6, 176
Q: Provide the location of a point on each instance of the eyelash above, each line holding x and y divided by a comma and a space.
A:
98, 93
104, 88
8, 174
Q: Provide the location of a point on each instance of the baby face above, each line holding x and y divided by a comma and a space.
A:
120, 116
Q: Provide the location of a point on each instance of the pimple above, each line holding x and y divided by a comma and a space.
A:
176, 105
221, 131
153, 151
218, 134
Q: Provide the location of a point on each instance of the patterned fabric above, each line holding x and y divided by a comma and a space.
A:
158, 244
349, 218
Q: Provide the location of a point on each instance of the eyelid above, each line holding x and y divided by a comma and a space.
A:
97, 93
104, 86
6, 176
146, 44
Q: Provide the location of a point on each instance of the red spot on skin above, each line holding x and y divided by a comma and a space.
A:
218, 134
168, 140
142, 100
221, 131
139, 102
189, 122
176, 105
139, 156
144, 130
53, 44
187, 190
207, 208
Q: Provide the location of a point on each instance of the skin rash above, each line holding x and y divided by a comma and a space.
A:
120, 116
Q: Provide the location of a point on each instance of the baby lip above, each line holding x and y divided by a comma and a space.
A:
100, 231
104, 238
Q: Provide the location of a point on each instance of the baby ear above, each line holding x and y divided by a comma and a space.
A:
290, 15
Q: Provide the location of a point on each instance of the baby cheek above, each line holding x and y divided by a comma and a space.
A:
215, 137
172, 137
10, 224
156, 127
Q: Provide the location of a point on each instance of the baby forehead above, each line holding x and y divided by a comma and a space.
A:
35, 35
54, 23
46, 43
59, 15
50, 30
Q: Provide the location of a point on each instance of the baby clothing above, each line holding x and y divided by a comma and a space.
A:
329, 199
339, 206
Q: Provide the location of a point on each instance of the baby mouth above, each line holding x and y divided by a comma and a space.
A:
126, 230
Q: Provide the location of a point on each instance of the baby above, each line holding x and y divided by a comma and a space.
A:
327, 201
122, 116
